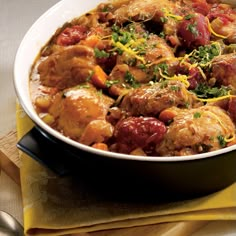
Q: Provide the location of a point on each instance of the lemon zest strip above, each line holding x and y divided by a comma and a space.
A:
162, 60
230, 139
168, 14
215, 99
212, 31
181, 78
129, 51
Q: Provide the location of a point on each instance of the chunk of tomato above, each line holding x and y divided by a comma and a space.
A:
232, 109
72, 35
201, 6
139, 132
194, 31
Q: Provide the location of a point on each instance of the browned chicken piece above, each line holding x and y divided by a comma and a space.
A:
156, 52
67, 68
229, 105
151, 100
77, 108
143, 10
196, 131
117, 76
154, 49
157, 48
126, 77
224, 69
97, 131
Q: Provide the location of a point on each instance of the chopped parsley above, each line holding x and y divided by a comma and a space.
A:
109, 83
204, 54
122, 36
163, 84
90, 76
82, 86
99, 92
115, 28
189, 16
197, 115
204, 91
160, 68
193, 29
221, 140
162, 35
163, 67
131, 61
142, 67
175, 88
129, 78
187, 105
163, 19
101, 53
126, 40
125, 37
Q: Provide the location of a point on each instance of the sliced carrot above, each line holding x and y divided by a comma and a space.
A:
138, 152
91, 41
101, 146
167, 115
99, 77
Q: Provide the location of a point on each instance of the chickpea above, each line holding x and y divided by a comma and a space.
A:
43, 102
48, 119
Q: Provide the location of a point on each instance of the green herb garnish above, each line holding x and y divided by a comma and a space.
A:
109, 83
189, 16
163, 19
197, 115
142, 67
204, 54
204, 91
163, 67
129, 78
175, 88
101, 53
193, 29
221, 140
162, 35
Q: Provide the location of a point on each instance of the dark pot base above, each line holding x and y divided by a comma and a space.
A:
137, 179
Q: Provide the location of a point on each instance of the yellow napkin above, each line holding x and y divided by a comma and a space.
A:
58, 205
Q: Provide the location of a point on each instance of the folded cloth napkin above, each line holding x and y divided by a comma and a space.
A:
56, 205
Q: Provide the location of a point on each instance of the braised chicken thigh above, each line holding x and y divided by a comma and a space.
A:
187, 133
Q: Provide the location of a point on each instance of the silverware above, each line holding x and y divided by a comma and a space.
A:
9, 226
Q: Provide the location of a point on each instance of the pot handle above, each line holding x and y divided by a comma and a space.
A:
46, 151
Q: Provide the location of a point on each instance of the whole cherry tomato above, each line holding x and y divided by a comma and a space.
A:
134, 132
194, 31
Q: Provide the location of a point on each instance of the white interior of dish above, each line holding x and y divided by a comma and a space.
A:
36, 37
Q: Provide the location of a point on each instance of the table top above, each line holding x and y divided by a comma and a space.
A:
15, 19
